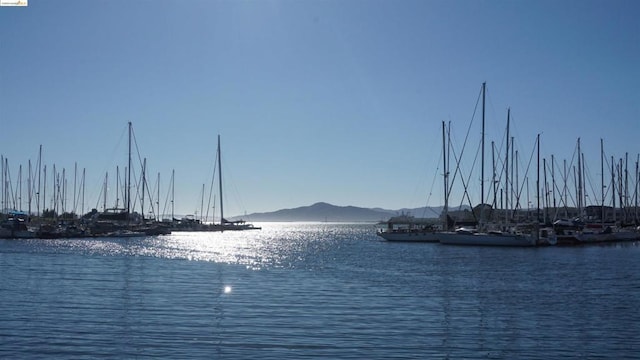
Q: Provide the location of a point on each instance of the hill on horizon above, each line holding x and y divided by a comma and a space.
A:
322, 211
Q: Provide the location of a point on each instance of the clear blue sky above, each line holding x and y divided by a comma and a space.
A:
336, 101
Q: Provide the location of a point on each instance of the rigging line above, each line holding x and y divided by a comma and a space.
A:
213, 179
435, 176
464, 147
113, 154
587, 174
466, 138
141, 164
526, 173
166, 199
465, 193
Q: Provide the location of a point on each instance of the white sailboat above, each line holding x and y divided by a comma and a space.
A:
224, 223
483, 237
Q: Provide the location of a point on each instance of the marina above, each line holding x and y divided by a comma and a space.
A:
505, 222
344, 180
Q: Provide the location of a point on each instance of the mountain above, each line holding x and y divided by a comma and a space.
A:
326, 212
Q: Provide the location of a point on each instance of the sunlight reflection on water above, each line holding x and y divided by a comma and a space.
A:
277, 245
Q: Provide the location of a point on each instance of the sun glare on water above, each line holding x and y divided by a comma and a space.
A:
227, 289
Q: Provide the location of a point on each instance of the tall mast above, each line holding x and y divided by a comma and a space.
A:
129, 175
553, 182
493, 174
220, 183
158, 200
44, 188
173, 192
83, 185
39, 167
202, 219
538, 179
144, 180
484, 86
106, 180
602, 181
515, 190
29, 188
626, 186
75, 178
117, 186
637, 188
19, 207
506, 167
545, 198
445, 224
579, 180
2, 180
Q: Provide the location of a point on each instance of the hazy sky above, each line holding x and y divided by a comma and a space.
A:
336, 101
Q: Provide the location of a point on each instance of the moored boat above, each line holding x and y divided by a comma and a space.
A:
410, 229
464, 236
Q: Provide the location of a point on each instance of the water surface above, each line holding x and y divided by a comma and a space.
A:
335, 291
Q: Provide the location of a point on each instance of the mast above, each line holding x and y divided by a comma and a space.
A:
637, 188
19, 207
484, 88
75, 178
117, 186
44, 188
129, 175
506, 169
517, 187
626, 186
202, 219
538, 179
220, 183
545, 199
2, 180
158, 200
39, 168
445, 223
83, 185
493, 175
602, 182
173, 193
144, 180
29, 188
104, 202
579, 183
553, 183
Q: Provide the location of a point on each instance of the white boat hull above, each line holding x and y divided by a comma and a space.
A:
608, 237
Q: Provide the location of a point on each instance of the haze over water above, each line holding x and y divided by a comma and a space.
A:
328, 290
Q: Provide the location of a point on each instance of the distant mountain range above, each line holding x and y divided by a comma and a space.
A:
331, 213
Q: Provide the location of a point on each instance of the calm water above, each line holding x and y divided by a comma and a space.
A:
293, 291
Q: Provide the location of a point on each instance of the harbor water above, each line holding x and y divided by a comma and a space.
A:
335, 291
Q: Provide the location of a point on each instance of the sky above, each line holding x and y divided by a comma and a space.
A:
314, 101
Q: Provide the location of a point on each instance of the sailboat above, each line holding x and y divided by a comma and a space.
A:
224, 223
189, 223
483, 236
407, 228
